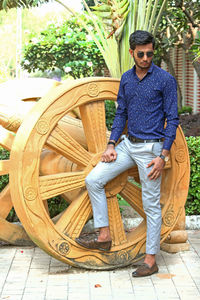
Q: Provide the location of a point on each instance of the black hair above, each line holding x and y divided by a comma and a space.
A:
141, 37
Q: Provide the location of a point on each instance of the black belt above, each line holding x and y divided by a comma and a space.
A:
136, 140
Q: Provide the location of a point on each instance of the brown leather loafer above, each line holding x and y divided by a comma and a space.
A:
145, 270
94, 244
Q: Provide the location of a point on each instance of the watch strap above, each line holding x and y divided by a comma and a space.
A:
162, 156
111, 143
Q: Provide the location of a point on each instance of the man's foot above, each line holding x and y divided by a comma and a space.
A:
145, 270
93, 243
150, 259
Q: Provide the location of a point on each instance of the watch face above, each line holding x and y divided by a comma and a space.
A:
166, 158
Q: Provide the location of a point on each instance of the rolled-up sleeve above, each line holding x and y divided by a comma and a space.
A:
121, 114
170, 111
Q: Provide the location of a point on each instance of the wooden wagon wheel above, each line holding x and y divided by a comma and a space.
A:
29, 189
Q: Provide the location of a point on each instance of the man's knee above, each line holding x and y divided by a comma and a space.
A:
92, 181
152, 207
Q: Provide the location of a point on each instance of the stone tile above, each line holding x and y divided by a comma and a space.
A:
188, 291
79, 296
99, 297
17, 291
146, 297
119, 281
124, 296
54, 294
34, 296
57, 280
13, 287
56, 263
11, 297
143, 282
187, 297
44, 278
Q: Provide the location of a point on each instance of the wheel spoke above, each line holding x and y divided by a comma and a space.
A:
115, 222
7, 138
133, 172
133, 195
4, 167
5, 202
61, 142
75, 216
94, 124
53, 185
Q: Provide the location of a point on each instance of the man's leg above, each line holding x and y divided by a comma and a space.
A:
95, 182
143, 154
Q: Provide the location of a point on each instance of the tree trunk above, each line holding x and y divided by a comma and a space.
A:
196, 65
167, 60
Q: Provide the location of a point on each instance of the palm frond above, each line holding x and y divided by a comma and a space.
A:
7, 4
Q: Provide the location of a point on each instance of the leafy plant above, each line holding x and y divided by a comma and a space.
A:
193, 200
185, 110
196, 47
4, 154
56, 205
110, 113
66, 47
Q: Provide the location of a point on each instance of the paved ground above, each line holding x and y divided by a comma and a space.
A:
30, 274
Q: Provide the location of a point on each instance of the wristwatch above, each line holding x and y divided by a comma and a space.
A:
112, 142
165, 158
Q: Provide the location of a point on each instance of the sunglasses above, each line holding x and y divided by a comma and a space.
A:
140, 54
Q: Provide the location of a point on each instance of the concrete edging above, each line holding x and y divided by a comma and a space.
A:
192, 223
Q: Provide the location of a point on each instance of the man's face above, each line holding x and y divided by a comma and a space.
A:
143, 55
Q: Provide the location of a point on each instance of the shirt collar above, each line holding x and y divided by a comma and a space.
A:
149, 71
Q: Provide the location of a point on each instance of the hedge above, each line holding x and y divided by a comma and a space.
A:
192, 206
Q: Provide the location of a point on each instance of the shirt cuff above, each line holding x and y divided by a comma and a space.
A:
114, 137
167, 143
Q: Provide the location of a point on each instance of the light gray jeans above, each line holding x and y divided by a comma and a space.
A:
128, 155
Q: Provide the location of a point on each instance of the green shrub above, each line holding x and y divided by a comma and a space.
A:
4, 154
192, 206
110, 113
185, 110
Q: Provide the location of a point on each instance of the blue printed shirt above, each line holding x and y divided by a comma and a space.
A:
146, 104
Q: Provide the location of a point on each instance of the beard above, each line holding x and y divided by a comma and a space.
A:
141, 66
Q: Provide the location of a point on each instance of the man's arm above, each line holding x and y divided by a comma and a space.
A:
118, 126
121, 114
171, 113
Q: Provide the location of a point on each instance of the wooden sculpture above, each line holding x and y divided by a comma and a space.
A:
31, 183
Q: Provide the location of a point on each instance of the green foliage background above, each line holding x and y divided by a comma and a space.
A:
33, 22
66, 47
193, 200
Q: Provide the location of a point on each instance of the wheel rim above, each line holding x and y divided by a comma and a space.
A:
29, 190
12, 111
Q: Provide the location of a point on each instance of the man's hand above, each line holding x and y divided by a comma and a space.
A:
109, 155
157, 168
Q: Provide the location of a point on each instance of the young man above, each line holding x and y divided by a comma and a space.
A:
147, 97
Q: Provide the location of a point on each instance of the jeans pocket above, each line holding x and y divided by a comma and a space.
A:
157, 148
